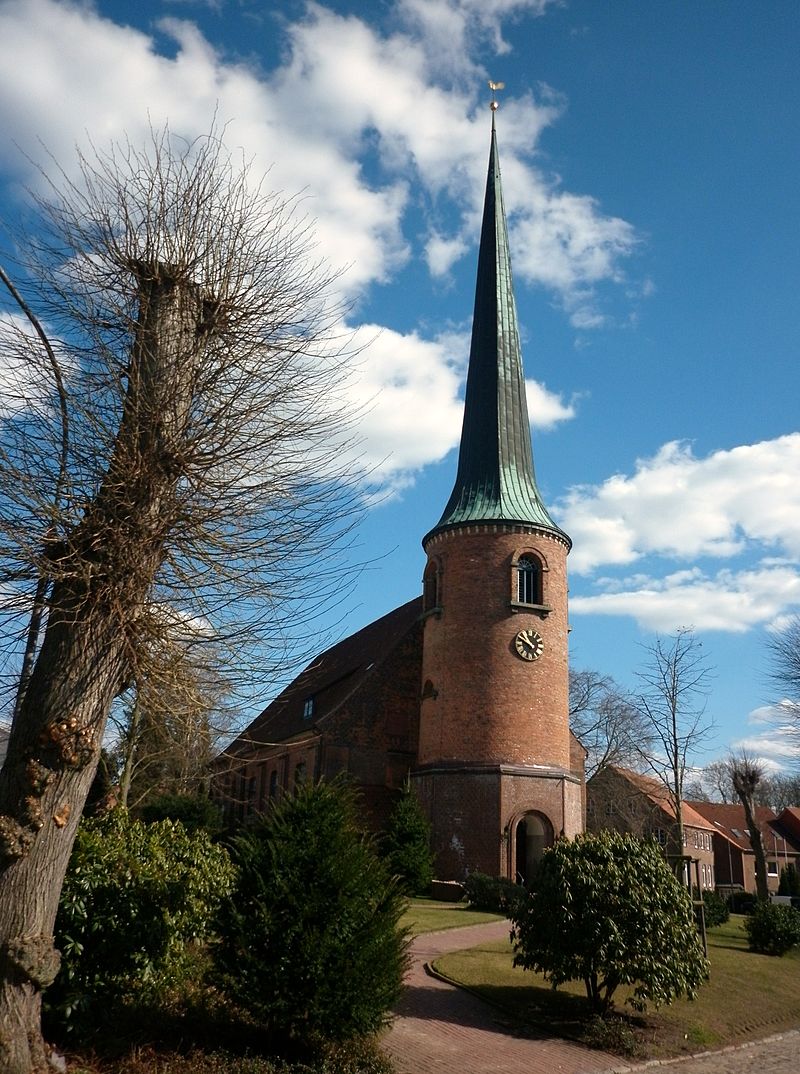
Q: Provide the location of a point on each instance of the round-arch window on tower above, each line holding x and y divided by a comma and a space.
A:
529, 580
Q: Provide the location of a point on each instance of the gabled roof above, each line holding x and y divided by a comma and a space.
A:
328, 680
656, 793
729, 822
789, 820
495, 481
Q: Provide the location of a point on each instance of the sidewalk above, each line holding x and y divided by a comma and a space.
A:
440, 1029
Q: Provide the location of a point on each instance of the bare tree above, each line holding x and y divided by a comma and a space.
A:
174, 456
674, 682
746, 776
779, 790
170, 726
605, 720
784, 674
713, 784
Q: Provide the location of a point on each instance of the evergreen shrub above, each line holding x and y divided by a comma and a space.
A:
742, 902
773, 930
311, 945
134, 898
406, 844
790, 881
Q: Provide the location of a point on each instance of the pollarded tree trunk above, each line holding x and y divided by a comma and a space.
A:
102, 576
746, 776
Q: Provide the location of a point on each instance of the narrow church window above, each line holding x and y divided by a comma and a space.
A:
273, 783
300, 773
308, 708
430, 588
529, 580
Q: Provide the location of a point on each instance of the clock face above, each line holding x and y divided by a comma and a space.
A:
529, 644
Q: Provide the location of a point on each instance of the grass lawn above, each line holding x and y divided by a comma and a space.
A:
747, 996
428, 915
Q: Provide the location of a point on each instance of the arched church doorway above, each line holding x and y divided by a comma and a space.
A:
533, 835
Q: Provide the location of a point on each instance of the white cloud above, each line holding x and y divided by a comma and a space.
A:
26, 377
680, 506
345, 89
726, 601
408, 390
354, 117
441, 253
546, 409
447, 25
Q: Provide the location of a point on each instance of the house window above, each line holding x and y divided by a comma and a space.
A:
308, 708
529, 580
661, 837
772, 868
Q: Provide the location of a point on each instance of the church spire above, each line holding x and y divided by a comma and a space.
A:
495, 481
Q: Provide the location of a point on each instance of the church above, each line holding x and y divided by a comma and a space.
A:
464, 689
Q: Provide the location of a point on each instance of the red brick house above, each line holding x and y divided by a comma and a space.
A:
631, 802
734, 861
464, 688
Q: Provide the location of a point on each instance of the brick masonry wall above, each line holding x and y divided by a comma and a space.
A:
475, 812
487, 705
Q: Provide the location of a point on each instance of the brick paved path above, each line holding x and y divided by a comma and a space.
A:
440, 1029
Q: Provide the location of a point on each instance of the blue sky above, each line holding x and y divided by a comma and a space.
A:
650, 158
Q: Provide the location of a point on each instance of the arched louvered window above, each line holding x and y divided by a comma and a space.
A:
529, 580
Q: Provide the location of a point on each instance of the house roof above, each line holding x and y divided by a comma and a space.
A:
729, 822
495, 481
328, 680
656, 792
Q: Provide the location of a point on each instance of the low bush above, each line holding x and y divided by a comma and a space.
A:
742, 902
773, 930
134, 897
492, 894
715, 909
311, 945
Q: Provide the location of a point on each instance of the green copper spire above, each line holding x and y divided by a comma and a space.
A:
496, 481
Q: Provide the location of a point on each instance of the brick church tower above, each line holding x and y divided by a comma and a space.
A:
494, 770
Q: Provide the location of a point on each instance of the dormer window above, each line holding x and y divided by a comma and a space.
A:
308, 708
529, 580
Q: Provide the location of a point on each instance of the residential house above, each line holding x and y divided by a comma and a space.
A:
630, 802
734, 861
